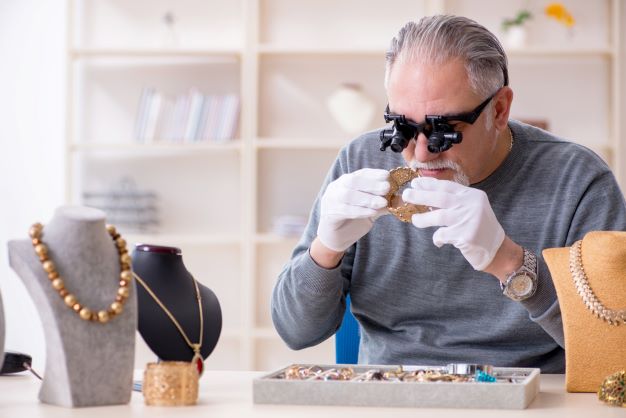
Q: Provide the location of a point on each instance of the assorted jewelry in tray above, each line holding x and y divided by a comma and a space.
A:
457, 385
456, 372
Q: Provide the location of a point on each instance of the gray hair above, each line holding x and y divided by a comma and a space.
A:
440, 38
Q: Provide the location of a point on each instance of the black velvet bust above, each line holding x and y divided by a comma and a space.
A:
163, 270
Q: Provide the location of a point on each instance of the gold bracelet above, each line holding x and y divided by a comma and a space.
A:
613, 390
398, 177
170, 383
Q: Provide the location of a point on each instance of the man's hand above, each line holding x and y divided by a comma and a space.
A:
350, 205
464, 215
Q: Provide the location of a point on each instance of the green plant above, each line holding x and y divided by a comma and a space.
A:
520, 18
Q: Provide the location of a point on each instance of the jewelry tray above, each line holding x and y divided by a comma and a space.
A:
518, 394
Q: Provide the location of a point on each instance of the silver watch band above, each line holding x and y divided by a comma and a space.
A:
526, 276
530, 261
528, 265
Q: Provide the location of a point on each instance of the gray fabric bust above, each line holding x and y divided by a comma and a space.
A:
419, 304
87, 363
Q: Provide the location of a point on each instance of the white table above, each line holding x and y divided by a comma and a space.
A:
229, 394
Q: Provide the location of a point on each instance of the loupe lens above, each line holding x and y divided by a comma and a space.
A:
399, 143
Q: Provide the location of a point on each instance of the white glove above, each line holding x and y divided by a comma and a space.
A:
350, 205
465, 216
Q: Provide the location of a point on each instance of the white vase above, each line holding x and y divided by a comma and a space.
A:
516, 37
351, 108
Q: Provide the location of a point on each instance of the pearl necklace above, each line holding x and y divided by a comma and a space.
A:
584, 290
101, 316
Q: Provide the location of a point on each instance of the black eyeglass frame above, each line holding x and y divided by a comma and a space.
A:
437, 129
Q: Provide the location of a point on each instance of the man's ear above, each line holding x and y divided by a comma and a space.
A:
502, 107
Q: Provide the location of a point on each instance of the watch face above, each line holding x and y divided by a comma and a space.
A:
521, 285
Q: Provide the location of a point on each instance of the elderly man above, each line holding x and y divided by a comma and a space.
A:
465, 280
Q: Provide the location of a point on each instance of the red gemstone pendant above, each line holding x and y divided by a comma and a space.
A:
198, 362
200, 365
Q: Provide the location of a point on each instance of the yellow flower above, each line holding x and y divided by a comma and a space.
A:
558, 12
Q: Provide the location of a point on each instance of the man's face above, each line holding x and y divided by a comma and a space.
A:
416, 90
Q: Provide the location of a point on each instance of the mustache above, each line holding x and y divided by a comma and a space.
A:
435, 165
459, 175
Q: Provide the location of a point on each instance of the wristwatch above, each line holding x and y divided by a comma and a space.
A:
522, 283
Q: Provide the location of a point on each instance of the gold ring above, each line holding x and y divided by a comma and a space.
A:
613, 390
398, 177
170, 383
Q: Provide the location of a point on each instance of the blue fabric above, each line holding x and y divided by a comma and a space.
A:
347, 338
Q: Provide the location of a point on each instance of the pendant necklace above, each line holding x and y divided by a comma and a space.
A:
197, 356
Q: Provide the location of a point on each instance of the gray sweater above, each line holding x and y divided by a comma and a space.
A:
419, 304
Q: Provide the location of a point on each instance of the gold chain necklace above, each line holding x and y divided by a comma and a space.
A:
511, 138
57, 282
197, 356
584, 290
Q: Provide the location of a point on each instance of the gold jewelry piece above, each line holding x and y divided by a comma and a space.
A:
57, 282
346, 373
302, 372
613, 317
398, 177
511, 138
298, 372
197, 359
613, 389
170, 383
435, 376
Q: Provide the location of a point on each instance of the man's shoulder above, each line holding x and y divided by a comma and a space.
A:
542, 145
365, 142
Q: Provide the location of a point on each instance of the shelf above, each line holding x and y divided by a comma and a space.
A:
270, 49
311, 143
81, 53
190, 147
560, 52
183, 239
269, 238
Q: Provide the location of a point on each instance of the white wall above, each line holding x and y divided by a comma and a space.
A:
32, 77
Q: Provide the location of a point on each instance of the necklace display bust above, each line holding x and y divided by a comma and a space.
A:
163, 271
87, 363
594, 348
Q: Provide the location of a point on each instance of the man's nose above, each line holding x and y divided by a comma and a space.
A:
421, 152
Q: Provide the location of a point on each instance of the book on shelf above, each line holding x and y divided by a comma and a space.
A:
187, 117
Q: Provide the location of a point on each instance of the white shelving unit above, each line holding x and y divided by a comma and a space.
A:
284, 59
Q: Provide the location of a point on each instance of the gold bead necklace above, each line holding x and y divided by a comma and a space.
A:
57, 282
197, 355
613, 317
